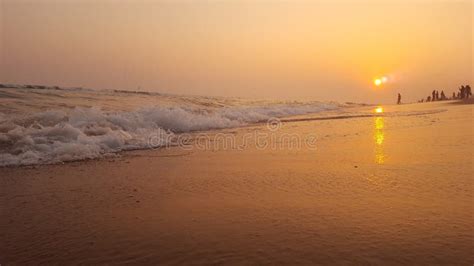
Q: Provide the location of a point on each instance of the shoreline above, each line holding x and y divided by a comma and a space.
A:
368, 113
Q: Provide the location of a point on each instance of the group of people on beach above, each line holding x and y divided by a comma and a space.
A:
463, 93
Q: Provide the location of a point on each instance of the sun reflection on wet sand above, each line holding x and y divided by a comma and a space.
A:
379, 139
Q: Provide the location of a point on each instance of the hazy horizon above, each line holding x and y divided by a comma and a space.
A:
321, 50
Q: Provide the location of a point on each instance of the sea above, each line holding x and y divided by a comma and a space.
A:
44, 125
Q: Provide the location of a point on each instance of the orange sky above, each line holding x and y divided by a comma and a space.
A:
327, 50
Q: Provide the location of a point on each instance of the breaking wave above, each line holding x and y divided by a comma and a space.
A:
77, 133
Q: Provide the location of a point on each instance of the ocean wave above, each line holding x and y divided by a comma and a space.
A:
84, 133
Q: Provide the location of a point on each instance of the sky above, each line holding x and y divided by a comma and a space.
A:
319, 50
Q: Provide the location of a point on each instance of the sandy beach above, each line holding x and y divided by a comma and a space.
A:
372, 190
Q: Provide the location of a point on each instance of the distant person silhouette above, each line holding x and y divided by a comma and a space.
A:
462, 92
443, 97
399, 101
454, 95
468, 91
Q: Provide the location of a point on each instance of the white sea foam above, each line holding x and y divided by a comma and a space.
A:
61, 135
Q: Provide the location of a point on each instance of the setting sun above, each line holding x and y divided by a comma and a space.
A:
380, 81
379, 110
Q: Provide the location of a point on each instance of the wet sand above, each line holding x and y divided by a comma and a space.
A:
373, 190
